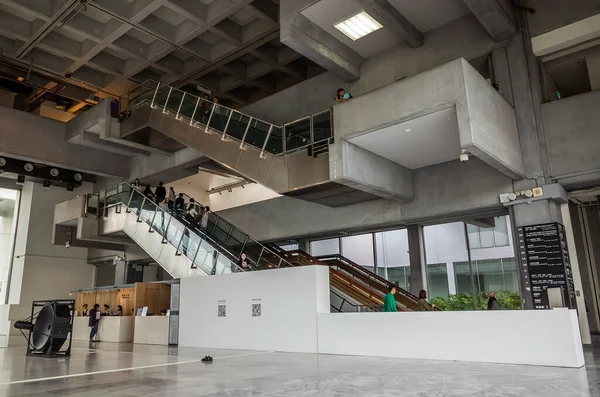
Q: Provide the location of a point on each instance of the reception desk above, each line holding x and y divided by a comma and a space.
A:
111, 329
151, 330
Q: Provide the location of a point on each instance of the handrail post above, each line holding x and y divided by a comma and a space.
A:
139, 219
177, 117
129, 201
154, 96
167, 100
194, 266
312, 131
153, 218
164, 236
210, 117
194, 112
262, 152
242, 146
227, 125
283, 138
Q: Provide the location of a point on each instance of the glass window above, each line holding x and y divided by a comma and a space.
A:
359, 249
399, 275
486, 236
501, 231
473, 232
437, 280
392, 248
289, 247
325, 247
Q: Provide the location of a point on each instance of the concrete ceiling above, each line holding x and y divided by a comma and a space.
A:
230, 47
425, 15
327, 13
420, 142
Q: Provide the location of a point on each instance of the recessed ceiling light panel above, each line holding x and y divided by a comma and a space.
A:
358, 26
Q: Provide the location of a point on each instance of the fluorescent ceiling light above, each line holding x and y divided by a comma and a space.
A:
358, 26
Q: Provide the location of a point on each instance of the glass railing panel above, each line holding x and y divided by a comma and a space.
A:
203, 111
187, 106
297, 134
148, 210
237, 125
220, 235
160, 221
205, 258
161, 96
193, 246
257, 133
253, 250
174, 100
322, 126
223, 225
219, 117
275, 142
136, 202
223, 265
175, 232
268, 260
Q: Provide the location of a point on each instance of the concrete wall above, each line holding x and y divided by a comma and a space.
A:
301, 100
31, 137
288, 321
572, 130
42, 270
464, 37
440, 191
545, 337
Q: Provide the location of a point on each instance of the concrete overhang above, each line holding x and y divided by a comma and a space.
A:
576, 33
429, 119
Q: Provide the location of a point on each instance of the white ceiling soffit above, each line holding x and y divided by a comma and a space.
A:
420, 142
327, 13
426, 15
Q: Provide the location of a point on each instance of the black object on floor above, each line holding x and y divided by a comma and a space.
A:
207, 359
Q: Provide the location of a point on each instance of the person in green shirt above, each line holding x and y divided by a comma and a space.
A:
389, 303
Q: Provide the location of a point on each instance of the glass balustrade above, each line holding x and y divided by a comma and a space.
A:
204, 114
214, 249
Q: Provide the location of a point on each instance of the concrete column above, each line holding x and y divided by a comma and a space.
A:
584, 325
121, 269
303, 244
416, 251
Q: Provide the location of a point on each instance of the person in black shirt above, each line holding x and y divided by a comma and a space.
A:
94, 320
179, 203
160, 193
148, 192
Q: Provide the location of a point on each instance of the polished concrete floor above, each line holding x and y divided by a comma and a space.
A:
125, 370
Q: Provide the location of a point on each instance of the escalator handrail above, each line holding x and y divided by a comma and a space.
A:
375, 277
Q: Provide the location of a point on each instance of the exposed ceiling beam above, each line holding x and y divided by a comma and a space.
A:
496, 16
393, 20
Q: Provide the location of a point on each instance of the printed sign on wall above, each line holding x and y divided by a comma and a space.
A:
256, 308
222, 308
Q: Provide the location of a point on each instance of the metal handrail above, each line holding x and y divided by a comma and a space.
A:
213, 106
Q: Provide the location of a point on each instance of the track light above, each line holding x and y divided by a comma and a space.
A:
54, 172
46, 184
28, 167
78, 177
2, 161
69, 188
20, 179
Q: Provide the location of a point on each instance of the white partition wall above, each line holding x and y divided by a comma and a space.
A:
264, 310
542, 337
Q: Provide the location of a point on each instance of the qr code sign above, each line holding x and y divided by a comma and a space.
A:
256, 309
222, 311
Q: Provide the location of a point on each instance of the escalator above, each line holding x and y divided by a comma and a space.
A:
215, 247
353, 280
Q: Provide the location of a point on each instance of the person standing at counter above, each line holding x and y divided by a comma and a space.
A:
389, 302
84, 309
94, 321
119, 311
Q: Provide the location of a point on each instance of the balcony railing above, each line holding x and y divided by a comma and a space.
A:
309, 132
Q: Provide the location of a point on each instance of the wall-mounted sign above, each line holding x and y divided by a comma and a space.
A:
545, 258
256, 308
222, 308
